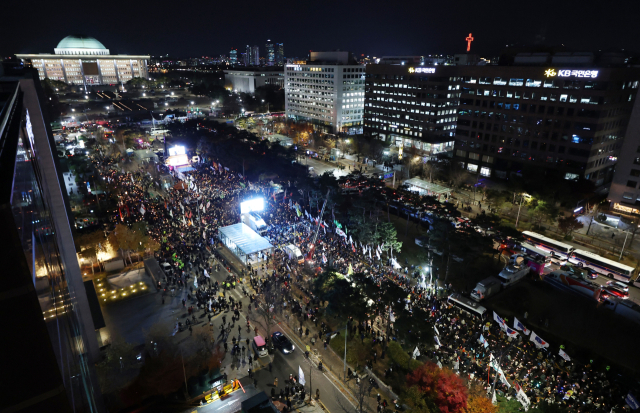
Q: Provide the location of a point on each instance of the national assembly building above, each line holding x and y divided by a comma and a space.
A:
84, 61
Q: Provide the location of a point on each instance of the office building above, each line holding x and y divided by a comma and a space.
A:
233, 57
271, 53
49, 343
327, 90
248, 80
412, 106
279, 50
563, 115
84, 61
624, 194
252, 56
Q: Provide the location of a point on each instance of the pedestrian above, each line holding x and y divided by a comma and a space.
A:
275, 381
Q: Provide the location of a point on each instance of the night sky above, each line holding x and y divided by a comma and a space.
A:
375, 28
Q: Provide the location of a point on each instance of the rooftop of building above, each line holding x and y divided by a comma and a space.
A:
80, 42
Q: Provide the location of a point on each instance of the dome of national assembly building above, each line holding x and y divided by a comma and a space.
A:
77, 44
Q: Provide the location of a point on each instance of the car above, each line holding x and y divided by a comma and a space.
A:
624, 287
590, 273
282, 342
617, 292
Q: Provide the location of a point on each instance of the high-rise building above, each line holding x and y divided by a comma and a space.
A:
47, 305
271, 53
571, 118
233, 57
255, 56
624, 194
279, 50
252, 56
85, 61
327, 90
564, 112
412, 106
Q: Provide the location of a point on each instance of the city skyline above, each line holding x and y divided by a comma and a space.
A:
377, 31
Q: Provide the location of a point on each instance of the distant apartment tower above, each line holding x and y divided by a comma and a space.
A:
327, 90
279, 54
233, 57
271, 53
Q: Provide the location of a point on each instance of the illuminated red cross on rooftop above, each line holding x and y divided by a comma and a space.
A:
469, 40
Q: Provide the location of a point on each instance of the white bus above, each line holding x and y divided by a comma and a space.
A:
535, 251
468, 305
556, 248
602, 265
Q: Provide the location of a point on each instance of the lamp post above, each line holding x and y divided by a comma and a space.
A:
520, 206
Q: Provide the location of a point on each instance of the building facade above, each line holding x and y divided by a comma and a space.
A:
233, 57
279, 51
624, 194
252, 56
84, 61
271, 53
328, 90
412, 106
248, 80
573, 120
43, 294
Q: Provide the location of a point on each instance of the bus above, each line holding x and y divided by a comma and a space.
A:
602, 265
556, 248
467, 305
535, 251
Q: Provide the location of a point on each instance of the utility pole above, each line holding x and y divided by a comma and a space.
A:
623, 245
520, 206
346, 329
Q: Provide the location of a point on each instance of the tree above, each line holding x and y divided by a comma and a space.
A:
567, 225
415, 399
442, 386
386, 233
480, 404
342, 297
123, 239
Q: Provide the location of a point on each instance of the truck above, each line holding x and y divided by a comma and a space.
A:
486, 288
255, 222
294, 253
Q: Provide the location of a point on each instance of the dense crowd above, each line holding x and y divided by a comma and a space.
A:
186, 224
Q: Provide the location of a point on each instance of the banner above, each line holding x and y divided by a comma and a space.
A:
539, 342
301, 379
436, 330
632, 401
523, 399
510, 332
416, 353
499, 320
564, 355
206, 274
519, 326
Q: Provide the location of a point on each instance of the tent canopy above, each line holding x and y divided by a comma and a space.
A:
244, 238
425, 186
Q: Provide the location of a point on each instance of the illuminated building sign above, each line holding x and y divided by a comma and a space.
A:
422, 70
29, 129
571, 73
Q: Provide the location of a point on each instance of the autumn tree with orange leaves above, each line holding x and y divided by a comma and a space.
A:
442, 387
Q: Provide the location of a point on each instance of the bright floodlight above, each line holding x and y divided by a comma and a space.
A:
176, 150
252, 205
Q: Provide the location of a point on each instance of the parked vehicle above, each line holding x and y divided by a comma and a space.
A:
294, 253
486, 288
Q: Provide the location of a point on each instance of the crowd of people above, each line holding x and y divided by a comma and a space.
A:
186, 222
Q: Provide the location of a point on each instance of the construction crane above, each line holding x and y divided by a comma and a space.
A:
315, 236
